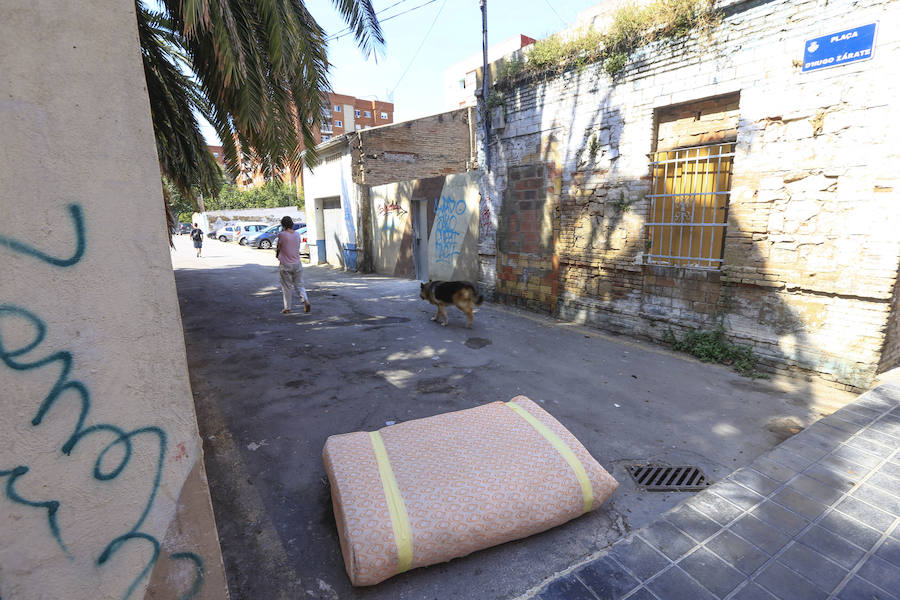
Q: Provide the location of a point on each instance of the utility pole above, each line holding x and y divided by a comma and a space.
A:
485, 75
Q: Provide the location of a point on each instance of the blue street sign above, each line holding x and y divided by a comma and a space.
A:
834, 49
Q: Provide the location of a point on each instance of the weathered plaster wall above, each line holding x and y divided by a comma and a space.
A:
453, 239
332, 178
451, 213
810, 257
393, 235
102, 488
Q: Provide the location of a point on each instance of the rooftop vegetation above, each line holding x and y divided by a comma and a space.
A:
633, 26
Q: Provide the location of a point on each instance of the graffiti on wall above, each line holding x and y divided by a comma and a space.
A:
450, 224
391, 208
485, 218
72, 397
388, 211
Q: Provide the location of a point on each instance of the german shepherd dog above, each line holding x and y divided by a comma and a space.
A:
461, 294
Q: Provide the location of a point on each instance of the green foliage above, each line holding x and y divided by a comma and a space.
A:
509, 68
593, 147
624, 202
632, 27
271, 195
255, 70
181, 206
495, 99
614, 63
711, 346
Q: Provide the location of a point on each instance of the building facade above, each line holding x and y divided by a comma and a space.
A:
348, 113
341, 114
400, 199
721, 180
461, 79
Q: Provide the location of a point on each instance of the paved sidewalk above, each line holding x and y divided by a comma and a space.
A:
816, 517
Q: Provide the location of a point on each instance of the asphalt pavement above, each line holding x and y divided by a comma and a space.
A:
270, 388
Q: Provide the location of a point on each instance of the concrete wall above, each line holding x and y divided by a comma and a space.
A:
450, 238
811, 251
103, 493
331, 179
453, 239
272, 215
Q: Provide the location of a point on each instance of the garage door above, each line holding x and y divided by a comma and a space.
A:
333, 216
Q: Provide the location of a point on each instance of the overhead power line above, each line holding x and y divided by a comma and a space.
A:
419, 49
556, 13
349, 31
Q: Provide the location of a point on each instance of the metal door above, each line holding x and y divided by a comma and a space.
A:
333, 219
420, 238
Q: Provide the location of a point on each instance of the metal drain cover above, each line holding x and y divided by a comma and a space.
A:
663, 478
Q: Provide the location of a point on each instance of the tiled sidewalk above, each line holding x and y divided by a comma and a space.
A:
817, 517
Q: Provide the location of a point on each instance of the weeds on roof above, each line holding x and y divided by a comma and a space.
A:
632, 27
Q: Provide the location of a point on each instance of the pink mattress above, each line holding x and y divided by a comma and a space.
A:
429, 490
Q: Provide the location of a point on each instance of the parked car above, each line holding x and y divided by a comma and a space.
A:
184, 228
242, 231
266, 239
223, 234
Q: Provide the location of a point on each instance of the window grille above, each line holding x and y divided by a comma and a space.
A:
689, 206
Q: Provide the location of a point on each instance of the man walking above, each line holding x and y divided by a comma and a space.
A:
197, 237
289, 269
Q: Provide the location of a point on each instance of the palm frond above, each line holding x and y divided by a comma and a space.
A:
257, 70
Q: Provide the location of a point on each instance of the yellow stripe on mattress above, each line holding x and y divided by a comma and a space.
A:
396, 507
587, 492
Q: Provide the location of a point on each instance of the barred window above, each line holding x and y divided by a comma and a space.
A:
689, 206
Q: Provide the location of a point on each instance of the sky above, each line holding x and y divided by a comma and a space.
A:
447, 31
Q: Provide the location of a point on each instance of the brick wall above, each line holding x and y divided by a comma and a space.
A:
427, 147
527, 267
810, 251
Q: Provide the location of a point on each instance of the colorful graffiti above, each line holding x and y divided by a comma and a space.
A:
391, 207
449, 225
390, 212
73, 396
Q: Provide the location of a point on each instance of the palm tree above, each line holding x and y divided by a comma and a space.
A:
256, 70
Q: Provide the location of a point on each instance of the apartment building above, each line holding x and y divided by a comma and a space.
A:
348, 113
343, 113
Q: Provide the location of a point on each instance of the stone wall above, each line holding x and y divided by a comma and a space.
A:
810, 251
890, 354
103, 492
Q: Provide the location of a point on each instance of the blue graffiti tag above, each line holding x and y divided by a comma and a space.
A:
23, 248
72, 390
447, 223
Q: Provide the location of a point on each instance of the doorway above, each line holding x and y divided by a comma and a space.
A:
420, 238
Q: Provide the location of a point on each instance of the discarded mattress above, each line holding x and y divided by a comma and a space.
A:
429, 490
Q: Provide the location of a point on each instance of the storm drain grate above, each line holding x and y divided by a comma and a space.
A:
663, 478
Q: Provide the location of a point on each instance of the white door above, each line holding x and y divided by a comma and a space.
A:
333, 217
